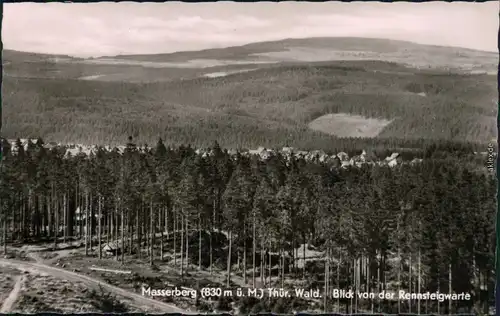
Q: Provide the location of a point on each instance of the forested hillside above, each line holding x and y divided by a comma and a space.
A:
271, 106
340, 48
425, 227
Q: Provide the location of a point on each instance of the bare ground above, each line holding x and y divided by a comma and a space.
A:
47, 288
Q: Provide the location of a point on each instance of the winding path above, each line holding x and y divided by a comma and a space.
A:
13, 296
137, 299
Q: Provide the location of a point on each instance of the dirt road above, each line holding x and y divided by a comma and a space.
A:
12, 298
138, 300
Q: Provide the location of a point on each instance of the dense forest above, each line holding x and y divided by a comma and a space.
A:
262, 106
418, 228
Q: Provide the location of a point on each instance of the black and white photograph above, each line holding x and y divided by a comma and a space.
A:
243, 158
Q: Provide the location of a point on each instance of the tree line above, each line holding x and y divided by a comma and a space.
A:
418, 228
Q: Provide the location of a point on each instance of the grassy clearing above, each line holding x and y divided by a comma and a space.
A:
345, 125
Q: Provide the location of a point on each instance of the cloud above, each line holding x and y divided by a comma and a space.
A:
128, 28
400, 26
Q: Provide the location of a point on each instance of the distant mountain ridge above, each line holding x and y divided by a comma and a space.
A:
338, 43
314, 49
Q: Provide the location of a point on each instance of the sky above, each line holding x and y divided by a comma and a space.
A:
108, 28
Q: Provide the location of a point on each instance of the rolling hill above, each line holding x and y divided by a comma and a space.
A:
302, 92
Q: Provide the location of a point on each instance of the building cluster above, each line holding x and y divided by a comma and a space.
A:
340, 159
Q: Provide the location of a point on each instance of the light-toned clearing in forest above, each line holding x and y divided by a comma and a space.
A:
90, 77
225, 73
347, 125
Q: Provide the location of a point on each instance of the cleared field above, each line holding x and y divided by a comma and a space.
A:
346, 125
94, 77
225, 73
